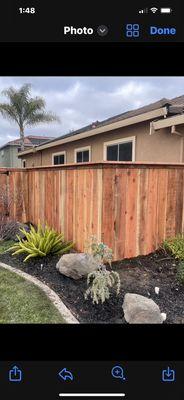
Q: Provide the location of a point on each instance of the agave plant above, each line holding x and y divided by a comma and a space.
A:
40, 242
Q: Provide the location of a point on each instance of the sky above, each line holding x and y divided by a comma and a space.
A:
79, 101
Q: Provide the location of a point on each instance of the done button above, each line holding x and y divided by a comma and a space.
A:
162, 31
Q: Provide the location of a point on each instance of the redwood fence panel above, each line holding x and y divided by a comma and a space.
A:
132, 207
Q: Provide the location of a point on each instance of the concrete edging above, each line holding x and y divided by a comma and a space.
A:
53, 297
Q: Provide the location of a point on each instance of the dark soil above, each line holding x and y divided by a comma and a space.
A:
138, 275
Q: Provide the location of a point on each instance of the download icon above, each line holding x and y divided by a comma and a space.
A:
168, 375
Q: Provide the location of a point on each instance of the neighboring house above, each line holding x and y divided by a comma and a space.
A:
153, 133
9, 151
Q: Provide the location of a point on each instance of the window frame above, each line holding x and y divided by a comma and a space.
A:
59, 153
24, 161
78, 149
131, 139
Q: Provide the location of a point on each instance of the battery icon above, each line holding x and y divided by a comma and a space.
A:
166, 10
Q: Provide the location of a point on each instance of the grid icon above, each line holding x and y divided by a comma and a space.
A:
132, 30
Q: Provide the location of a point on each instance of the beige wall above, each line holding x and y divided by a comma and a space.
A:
162, 146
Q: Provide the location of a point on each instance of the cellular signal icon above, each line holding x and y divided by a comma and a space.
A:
143, 11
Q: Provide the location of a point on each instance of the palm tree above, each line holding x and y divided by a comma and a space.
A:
25, 110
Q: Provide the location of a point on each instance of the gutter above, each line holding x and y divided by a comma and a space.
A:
160, 112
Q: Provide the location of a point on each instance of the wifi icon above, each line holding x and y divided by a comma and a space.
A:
154, 10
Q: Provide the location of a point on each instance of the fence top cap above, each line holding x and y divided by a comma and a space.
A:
125, 164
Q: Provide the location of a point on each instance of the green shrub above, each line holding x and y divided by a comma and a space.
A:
101, 282
180, 272
175, 246
99, 250
40, 242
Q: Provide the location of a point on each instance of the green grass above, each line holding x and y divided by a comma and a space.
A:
23, 302
5, 245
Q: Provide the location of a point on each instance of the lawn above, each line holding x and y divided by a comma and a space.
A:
23, 302
4, 245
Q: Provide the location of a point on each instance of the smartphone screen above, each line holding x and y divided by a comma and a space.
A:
91, 200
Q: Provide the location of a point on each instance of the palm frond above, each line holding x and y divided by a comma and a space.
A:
41, 117
25, 110
9, 112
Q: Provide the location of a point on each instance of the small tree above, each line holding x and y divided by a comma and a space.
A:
25, 110
101, 281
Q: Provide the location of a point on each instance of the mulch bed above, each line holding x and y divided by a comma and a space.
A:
138, 275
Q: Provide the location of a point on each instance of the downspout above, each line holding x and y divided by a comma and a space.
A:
174, 131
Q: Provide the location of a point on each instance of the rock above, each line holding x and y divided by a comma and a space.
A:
141, 310
76, 265
157, 290
164, 316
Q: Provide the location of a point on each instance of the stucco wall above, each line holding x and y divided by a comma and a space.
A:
15, 161
10, 158
5, 157
162, 146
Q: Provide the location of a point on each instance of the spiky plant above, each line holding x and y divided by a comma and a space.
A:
40, 242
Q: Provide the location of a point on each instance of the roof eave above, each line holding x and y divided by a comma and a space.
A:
160, 112
168, 122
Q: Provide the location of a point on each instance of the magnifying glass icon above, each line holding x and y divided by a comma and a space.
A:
118, 372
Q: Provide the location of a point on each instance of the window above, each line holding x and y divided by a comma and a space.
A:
23, 163
2, 153
120, 150
83, 155
59, 158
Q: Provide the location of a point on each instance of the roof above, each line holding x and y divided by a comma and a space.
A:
174, 106
29, 141
116, 118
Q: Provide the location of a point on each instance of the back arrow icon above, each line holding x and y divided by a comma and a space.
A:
66, 375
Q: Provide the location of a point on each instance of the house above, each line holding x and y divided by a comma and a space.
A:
9, 151
153, 133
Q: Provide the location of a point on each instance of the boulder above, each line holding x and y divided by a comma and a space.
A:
141, 310
76, 265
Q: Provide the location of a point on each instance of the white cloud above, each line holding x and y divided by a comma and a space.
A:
81, 100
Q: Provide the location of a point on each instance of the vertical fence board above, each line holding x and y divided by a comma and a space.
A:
162, 203
131, 213
142, 211
171, 203
108, 206
179, 202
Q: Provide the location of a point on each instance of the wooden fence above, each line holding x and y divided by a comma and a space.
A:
132, 207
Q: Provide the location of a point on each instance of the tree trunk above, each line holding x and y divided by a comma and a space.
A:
22, 138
